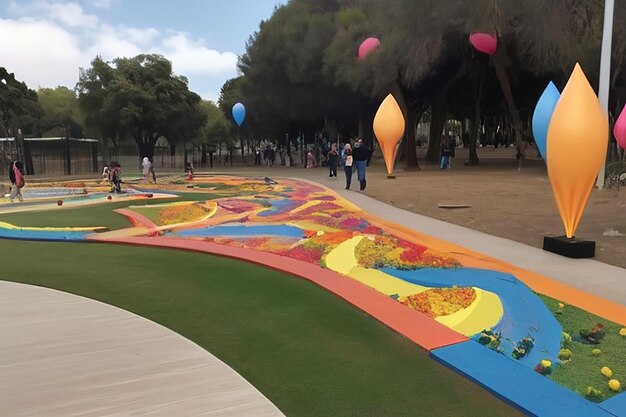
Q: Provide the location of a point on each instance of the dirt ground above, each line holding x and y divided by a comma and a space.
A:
505, 202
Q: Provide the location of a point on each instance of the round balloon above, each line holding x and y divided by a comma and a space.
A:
619, 130
239, 113
542, 115
389, 128
577, 144
368, 46
484, 42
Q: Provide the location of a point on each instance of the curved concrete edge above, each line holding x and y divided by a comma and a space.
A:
66, 355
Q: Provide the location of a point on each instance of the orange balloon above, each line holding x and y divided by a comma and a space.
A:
389, 128
577, 143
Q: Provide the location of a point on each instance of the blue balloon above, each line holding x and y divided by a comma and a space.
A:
239, 113
542, 115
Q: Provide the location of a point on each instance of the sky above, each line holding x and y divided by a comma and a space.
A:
45, 42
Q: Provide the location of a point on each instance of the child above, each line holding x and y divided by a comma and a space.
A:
106, 175
146, 165
16, 175
189, 170
116, 178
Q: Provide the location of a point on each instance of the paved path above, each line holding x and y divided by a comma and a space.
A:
65, 355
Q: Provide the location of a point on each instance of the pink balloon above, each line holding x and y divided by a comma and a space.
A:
619, 130
368, 46
484, 42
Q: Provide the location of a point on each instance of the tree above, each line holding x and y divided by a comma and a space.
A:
142, 97
20, 113
216, 130
61, 113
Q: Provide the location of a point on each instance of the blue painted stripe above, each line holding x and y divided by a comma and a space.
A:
244, 231
524, 312
47, 235
615, 405
522, 387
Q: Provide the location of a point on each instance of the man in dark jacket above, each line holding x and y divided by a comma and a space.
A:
361, 153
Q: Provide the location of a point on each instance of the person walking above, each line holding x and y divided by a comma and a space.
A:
333, 160
360, 154
146, 165
16, 176
447, 150
347, 165
116, 178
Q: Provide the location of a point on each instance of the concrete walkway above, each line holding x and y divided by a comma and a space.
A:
65, 355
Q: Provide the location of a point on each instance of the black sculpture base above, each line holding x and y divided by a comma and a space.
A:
570, 247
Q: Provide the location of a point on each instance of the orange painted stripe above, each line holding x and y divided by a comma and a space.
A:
136, 219
412, 324
537, 282
542, 284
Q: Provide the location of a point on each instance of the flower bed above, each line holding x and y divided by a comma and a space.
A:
181, 213
440, 301
390, 252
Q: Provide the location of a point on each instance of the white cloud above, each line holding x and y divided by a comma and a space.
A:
101, 4
192, 57
70, 14
50, 41
140, 36
110, 43
40, 53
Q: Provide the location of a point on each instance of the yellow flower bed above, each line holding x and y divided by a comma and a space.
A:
440, 301
181, 214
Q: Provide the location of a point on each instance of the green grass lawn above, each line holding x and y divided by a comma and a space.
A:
94, 215
583, 370
309, 352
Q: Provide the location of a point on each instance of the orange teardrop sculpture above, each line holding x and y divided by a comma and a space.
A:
577, 143
389, 128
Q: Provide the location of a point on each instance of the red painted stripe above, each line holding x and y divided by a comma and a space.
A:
136, 219
416, 326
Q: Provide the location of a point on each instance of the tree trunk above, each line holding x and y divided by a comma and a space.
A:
409, 150
505, 85
413, 115
474, 131
203, 154
106, 155
472, 158
146, 149
439, 113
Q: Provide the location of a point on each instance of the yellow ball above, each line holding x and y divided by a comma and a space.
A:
622, 332
606, 371
614, 385
561, 306
545, 363
596, 352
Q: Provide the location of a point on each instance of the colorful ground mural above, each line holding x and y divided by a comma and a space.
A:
535, 342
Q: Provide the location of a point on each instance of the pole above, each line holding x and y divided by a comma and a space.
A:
605, 73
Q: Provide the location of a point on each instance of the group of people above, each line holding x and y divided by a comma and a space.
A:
113, 176
350, 157
268, 155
